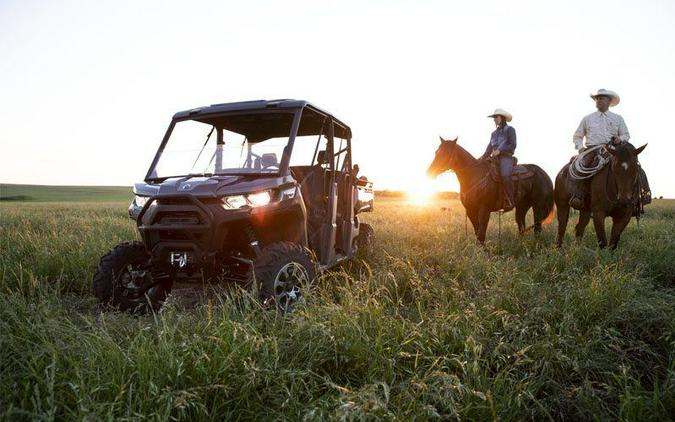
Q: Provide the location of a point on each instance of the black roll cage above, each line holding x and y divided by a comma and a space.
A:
284, 170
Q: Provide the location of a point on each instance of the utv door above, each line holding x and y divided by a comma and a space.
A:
344, 181
329, 227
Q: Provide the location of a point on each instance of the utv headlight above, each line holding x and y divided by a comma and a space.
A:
257, 199
140, 200
137, 205
234, 202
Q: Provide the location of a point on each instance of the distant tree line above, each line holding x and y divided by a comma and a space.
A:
403, 194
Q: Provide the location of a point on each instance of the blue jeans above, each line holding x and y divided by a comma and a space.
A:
506, 167
505, 171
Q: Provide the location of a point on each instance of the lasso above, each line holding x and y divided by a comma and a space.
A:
577, 168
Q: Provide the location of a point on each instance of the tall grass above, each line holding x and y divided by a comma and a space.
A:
432, 326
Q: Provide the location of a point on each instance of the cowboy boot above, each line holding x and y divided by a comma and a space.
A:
578, 192
509, 201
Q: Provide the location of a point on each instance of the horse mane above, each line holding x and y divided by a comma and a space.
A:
465, 155
625, 147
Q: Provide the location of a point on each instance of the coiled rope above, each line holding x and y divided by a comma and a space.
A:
578, 170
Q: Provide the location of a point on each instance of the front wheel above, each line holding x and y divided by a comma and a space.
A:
124, 279
281, 272
365, 241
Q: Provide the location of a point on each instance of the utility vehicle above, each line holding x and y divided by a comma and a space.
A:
260, 193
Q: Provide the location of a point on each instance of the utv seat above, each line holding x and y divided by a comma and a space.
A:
311, 180
269, 160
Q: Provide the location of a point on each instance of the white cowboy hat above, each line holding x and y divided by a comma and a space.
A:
613, 96
501, 112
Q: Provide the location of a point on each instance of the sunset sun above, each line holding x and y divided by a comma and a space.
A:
422, 194
423, 190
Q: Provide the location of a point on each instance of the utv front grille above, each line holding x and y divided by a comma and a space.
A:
168, 235
179, 217
174, 201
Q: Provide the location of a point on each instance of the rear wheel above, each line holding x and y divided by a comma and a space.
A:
365, 241
124, 279
282, 271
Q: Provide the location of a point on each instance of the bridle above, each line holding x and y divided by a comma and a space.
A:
611, 164
451, 158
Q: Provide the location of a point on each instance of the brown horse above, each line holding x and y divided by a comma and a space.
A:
612, 190
480, 196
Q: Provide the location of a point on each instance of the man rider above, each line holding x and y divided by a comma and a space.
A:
502, 145
597, 128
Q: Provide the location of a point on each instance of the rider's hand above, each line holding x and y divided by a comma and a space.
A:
582, 149
494, 153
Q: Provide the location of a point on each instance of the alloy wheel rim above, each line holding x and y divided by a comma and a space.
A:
287, 284
135, 282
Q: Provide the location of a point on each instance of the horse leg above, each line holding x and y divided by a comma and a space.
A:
584, 218
563, 215
540, 212
473, 217
483, 220
618, 224
599, 223
521, 211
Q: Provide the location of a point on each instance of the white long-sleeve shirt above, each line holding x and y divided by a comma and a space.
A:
599, 128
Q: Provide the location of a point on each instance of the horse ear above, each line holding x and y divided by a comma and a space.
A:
442, 140
455, 140
639, 150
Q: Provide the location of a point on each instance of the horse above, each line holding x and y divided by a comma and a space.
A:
611, 194
480, 195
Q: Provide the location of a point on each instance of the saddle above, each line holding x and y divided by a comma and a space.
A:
520, 172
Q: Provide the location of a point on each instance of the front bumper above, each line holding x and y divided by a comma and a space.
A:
199, 228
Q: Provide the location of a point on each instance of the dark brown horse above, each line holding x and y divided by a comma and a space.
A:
480, 196
612, 191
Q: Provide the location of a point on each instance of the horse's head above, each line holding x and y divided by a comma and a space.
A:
624, 167
444, 159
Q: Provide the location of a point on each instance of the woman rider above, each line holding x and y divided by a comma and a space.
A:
502, 145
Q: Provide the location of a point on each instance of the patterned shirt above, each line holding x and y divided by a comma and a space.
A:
599, 128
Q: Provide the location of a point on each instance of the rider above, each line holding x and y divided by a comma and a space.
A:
502, 145
598, 128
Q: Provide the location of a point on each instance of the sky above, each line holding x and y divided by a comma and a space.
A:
87, 89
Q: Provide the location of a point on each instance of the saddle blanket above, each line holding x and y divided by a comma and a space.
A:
520, 172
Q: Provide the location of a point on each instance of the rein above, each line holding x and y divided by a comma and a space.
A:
476, 164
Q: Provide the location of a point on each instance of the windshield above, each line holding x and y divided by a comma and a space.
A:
208, 148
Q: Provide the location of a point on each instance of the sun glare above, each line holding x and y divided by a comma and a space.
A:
422, 194
424, 190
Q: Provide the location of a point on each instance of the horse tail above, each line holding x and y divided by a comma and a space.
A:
551, 215
549, 203
548, 220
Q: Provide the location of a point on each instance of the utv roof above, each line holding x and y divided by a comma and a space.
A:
228, 115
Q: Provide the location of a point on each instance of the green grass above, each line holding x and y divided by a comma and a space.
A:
431, 327
45, 193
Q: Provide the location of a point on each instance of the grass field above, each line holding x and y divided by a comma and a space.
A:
11, 193
432, 326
